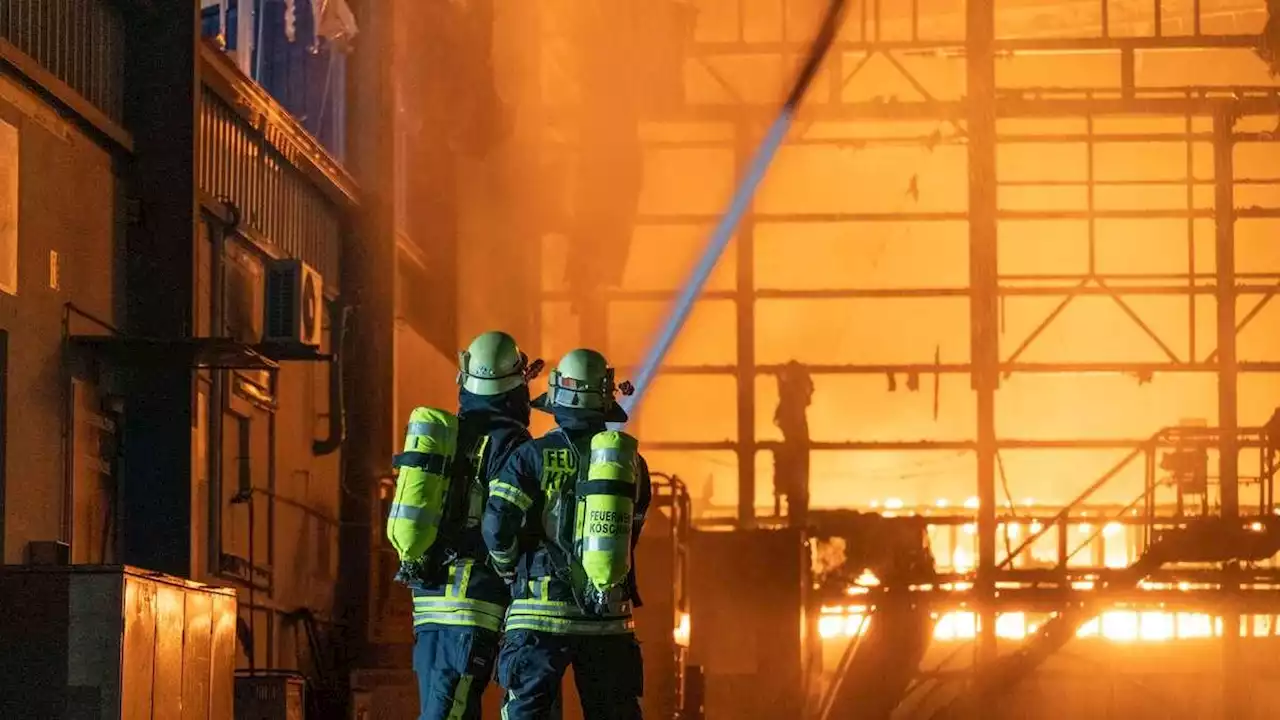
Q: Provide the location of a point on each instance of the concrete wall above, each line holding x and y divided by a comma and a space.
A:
67, 192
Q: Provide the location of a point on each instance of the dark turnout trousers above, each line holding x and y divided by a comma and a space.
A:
608, 670
454, 665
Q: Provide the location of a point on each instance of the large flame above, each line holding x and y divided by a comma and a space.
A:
1122, 626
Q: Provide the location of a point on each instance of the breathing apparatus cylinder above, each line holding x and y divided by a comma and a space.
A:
422, 485
606, 510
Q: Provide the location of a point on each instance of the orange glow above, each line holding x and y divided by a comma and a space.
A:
878, 205
1120, 626
849, 621
855, 210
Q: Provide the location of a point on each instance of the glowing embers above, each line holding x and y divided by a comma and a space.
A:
847, 621
681, 632
1112, 545
1121, 626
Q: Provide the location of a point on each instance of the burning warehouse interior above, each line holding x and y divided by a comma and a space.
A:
950, 323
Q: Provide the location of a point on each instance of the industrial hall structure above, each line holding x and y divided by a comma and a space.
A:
978, 414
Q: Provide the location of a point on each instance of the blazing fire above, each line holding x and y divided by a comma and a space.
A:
681, 631
1113, 625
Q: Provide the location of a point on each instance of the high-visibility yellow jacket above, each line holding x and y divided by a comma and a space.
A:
514, 532
467, 592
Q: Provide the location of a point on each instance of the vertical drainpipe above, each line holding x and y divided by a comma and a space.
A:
337, 433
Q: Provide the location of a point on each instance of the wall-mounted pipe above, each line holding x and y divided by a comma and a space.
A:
228, 223
337, 402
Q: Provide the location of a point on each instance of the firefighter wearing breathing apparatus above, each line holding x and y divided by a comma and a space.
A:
561, 524
458, 600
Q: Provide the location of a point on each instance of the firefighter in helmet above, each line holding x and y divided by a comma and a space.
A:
562, 521
459, 601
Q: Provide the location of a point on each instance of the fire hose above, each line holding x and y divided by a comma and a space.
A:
741, 200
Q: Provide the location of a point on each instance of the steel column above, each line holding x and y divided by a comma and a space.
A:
745, 369
1224, 200
1228, 420
161, 72
983, 280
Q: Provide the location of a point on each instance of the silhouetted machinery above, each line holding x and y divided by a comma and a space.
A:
1188, 467
750, 590
1203, 540
879, 664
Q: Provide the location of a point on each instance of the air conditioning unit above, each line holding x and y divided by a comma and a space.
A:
294, 304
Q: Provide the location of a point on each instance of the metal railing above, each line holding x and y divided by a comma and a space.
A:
276, 199
81, 42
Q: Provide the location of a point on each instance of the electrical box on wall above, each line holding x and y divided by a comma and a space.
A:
294, 304
270, 696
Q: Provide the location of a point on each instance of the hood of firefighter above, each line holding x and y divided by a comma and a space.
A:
511, 405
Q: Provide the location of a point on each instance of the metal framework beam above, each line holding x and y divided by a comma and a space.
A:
906, 25
1001, 45
937, 292
920, 445
958, 216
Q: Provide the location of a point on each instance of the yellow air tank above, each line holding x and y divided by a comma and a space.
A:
422, 486
606, 506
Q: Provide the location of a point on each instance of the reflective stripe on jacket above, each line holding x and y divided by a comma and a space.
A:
453, 605
535, 611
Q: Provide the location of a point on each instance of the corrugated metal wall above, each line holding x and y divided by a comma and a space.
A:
277, 200
79, 41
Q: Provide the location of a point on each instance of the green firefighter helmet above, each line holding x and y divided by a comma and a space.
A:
492, 364
583, 379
